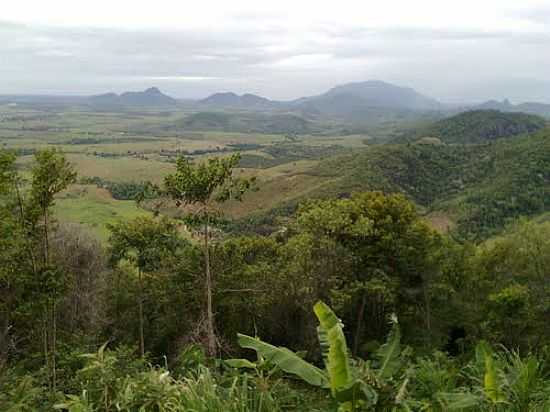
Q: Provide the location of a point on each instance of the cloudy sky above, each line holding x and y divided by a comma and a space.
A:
454, 50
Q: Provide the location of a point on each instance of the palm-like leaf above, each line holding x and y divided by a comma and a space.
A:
285, 359
388, 356
344, 384
334, 347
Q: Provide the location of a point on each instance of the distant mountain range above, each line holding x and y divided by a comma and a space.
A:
364, 99
150, 97
342, 101
541, 109
368, 101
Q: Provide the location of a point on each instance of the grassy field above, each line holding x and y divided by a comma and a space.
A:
94, 208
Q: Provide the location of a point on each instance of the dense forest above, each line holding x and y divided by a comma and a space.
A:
180, 315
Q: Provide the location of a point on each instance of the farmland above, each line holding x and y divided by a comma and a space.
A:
139, 146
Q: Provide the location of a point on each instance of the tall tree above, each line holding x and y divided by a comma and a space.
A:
144, 242
202, 188
51, 174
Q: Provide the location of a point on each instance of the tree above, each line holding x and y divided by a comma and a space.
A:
388, 250
202, 188
51, 174
144, 242
38, 276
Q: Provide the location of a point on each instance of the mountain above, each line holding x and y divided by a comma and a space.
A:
354, 99
150, 97
245, 101
540, 109
477, 126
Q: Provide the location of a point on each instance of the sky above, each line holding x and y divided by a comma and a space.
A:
455, 51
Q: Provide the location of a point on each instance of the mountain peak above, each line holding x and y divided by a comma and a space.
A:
153, 90
355, 99
150, 97
230, 99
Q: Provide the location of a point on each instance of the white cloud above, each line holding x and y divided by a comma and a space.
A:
281, 49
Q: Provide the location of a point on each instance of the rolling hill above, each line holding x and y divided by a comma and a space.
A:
247, 122
477, 126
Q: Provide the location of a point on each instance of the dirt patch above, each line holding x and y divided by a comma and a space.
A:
440, 222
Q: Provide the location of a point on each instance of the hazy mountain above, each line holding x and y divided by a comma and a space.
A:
353, 99
245, 101
150, 97
541, 109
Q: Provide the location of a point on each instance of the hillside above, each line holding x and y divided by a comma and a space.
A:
477, 126
482, 186
246, 122
478, 189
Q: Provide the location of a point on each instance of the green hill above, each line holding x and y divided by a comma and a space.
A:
477, 126
478, 188
481, 186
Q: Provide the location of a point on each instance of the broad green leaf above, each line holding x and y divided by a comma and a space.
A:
285, 359
334, 347
389, 353
456, 401
240, 364
491, 380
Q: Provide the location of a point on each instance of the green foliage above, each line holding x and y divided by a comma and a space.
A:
51, 174
209, 180
145, 241
123, 190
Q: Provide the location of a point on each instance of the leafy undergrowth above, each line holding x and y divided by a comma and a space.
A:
281, 380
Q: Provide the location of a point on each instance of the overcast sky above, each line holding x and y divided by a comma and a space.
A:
461, 50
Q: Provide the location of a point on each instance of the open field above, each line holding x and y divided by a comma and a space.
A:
94, 208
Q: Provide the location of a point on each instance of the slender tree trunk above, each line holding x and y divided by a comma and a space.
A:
140, 305
46, 240
428, 320
209, 311
53, 323
22, 217
54, 344
359, 328
45, 344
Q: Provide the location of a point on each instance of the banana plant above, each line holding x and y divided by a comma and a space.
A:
352, 387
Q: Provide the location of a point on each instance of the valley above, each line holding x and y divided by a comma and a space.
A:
461, 168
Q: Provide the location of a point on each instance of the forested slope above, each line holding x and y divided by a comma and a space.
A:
477, 126
481, 187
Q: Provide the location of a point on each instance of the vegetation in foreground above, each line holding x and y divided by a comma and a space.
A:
472, 331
